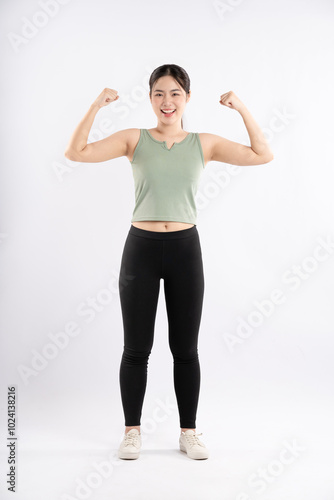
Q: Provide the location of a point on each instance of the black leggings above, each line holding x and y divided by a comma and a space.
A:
148, 257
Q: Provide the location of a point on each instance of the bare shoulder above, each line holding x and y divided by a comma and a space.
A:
206, 138
127, 135
130, 133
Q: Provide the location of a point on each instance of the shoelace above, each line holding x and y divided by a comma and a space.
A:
193, 439
131, 439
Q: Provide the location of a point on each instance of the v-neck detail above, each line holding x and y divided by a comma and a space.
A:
164, 143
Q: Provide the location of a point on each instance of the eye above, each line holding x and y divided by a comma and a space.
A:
173, 94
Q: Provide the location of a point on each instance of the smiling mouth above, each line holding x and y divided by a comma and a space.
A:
168, 113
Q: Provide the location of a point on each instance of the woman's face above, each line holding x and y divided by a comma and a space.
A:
167, 94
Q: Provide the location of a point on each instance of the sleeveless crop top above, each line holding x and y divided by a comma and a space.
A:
165, 179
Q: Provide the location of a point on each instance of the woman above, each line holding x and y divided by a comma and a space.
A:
163, 241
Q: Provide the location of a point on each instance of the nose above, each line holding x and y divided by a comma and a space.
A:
166, 103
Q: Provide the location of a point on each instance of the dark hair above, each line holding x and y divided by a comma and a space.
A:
179, 74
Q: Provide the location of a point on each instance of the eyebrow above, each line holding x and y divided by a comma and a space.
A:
157, 90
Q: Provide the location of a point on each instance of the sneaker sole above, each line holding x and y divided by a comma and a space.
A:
198, 457
128, 456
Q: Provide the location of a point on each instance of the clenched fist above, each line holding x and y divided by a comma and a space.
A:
106, 97
231, 101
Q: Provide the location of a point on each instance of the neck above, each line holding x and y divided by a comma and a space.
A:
169, 130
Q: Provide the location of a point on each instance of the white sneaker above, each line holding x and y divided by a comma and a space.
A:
190, 443
130, 446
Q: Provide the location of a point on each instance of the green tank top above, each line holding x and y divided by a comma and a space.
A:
165, 179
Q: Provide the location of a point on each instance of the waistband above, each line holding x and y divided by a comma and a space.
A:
162, 235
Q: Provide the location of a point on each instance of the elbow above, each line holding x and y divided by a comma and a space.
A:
70, 155
269, 158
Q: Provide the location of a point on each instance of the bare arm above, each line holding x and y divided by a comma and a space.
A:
78, 140
258, 142
235, 153
114, 146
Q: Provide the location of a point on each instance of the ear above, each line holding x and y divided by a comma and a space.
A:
188, 96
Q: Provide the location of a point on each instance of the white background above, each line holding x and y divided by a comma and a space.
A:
64, 225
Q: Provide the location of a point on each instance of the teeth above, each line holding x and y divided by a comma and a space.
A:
167, 112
